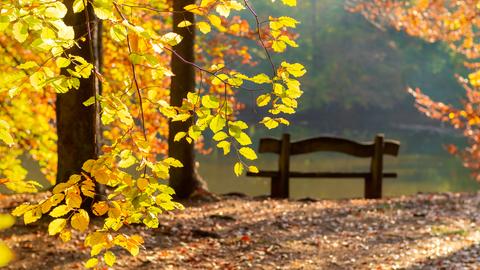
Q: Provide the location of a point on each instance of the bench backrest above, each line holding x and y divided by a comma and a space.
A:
374, 150
329, 144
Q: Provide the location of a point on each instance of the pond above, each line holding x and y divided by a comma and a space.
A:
422, 166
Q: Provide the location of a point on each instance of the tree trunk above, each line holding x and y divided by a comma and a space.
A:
77, 125
184, 180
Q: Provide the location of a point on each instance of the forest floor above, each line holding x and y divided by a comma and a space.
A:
425, 231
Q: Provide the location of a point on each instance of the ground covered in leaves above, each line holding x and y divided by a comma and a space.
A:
426, 231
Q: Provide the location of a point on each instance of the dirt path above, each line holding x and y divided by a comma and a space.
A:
430, 231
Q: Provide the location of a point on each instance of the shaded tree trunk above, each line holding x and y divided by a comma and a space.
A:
184, 180
77, 125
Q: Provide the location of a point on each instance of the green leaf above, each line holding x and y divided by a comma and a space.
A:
248, 153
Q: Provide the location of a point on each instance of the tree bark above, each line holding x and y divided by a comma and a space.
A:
77, 125
185, 181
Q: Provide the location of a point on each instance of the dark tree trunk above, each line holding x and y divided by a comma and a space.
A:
184, 180
77, 125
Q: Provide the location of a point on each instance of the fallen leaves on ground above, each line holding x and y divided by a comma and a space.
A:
426, 231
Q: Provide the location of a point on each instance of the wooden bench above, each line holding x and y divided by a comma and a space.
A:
374, 150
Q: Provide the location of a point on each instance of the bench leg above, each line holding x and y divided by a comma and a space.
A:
275, 188
373, 189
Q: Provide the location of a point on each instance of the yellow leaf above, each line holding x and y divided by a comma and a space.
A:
223, 10
32, 215
6, 137
109, 258
243, 138
6, 255
253, 169
238, 168
20, 31
56, 226
225, 146
216, 21
74, 200
60, 210
204, 27
179, 136
217, 123
56, 199
56, 10
78, 6
80, 220
172, 38
248, 153
296, 69
91, 263
184, 24
100, 208
46, 206
87, 166
173, 162
263, 100
210, 102
261, 78
279, 46
142, 183
269, 122
65, 235
291, 3
60, 187
6, 221
220, 136
21, 209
